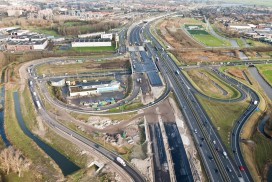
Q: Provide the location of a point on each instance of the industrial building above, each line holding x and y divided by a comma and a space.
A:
85, 42
25, 45
93, 87
22, 40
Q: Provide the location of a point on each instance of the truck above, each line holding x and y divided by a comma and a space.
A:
255, 102
38, 104
30, 83
121, 161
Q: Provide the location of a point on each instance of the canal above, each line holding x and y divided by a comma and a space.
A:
266, 87
67, 167
2, 128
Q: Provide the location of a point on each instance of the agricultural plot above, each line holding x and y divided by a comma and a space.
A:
206, 38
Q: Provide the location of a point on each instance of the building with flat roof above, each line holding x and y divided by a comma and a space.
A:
93, 87
25, 45
88, 42
57, 82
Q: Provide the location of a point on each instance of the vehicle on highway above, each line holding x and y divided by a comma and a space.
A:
38, 104
225, 154
255, 102
228, 169
121, 161
241, 168
177, 72
195, 131
214, 142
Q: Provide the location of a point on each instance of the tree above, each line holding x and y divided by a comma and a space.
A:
13, 160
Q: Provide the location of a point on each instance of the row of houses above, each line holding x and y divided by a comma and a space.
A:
260, 32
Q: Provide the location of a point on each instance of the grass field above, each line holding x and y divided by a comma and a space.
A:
46, 31
266, 71
255, 43
90, 49
86, 66
207, 39
223, 115
240, 42
262, 151
203, 82
136, 103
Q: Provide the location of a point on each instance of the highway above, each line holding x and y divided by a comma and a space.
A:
201, 126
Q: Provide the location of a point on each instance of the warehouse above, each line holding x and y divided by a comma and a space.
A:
86, 42
93, 87
26, 45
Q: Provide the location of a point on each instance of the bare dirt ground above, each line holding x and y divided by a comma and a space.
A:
171, 32
189, 56
236, 73
175, 36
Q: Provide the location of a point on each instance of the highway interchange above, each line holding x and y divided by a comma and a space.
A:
219, 167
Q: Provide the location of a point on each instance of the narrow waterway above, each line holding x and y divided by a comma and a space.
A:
269, 174
266, 87
2, 128
67, 167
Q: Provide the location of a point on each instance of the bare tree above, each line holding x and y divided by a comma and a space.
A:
13, 160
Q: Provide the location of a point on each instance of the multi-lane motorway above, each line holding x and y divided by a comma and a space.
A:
218, 164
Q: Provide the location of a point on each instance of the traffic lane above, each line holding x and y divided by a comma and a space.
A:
213, 134
203, 147
189, 118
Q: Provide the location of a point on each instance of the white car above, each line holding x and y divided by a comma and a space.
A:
195, 131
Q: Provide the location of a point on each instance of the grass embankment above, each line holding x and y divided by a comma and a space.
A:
207, 39
136, 103
89, 49
223, 115
255, 43
65, 147
240, 42
266, 71
205, 83
28, 147
83, 66
155, 31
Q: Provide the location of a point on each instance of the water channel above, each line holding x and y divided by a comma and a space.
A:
2, 128
67, 167
266, 87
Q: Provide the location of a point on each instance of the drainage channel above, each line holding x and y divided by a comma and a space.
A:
67, 167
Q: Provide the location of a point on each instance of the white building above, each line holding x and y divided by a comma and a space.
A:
57, 82
89, 88
91, 43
